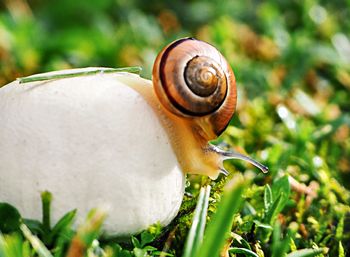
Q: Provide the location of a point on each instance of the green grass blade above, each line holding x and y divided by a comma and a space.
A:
62, 225
195, 235
341, 252
280, 246
38, 246
12, 246
35, 226
244, 251
274, 210
268, 198
306, 253
281, 185
16, 247
75, 73
46, 198
65, 221
221, 223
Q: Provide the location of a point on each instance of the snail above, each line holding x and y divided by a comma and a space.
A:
95, 136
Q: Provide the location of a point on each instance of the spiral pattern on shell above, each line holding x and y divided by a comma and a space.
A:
192, 79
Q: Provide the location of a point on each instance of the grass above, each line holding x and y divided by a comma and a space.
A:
217, 239
291, 61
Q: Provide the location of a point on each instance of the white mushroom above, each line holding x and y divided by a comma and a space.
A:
90, 141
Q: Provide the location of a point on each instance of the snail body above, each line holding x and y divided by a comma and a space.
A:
116, 138
197, 89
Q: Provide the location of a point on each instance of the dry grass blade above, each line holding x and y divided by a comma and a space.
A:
87, 233
38, 246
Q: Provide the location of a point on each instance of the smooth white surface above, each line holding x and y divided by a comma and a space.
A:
90, 141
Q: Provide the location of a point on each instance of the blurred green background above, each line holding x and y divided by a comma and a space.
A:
291, 60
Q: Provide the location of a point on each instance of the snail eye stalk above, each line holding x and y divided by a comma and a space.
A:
226, 155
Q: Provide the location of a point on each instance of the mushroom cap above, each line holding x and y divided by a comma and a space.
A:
91, 141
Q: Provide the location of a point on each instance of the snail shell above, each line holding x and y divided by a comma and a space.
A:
193, 80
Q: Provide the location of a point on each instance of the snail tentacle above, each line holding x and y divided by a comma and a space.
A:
227, 155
